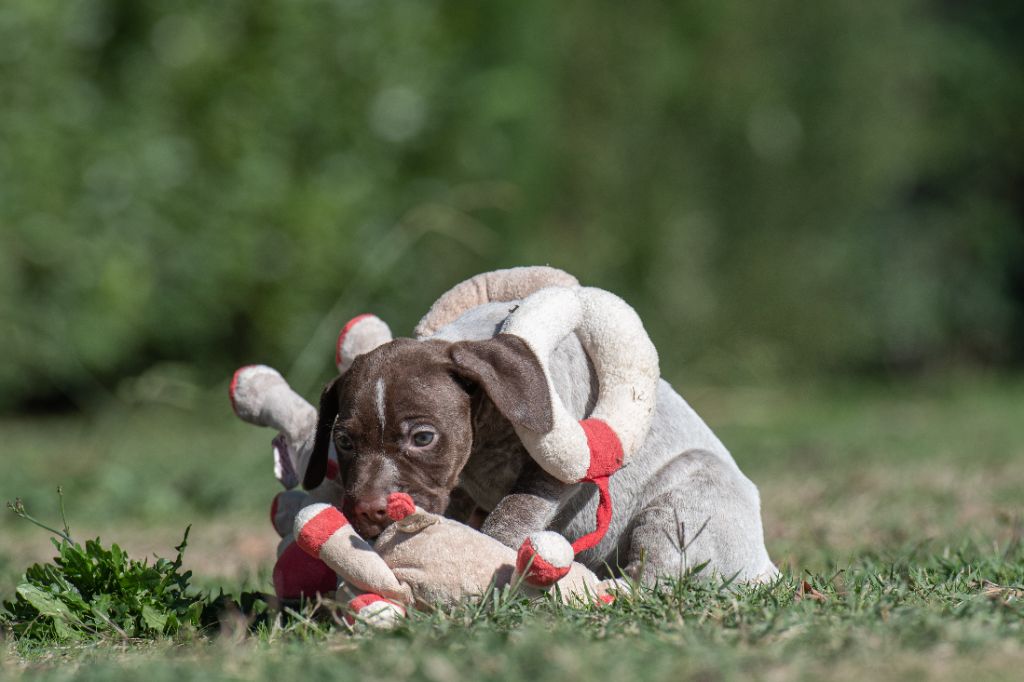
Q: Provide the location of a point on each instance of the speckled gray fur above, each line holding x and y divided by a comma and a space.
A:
680, 502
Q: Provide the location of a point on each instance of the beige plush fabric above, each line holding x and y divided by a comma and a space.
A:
361, 335
443, 561
580, 585
625, 361
261, 396
500, 285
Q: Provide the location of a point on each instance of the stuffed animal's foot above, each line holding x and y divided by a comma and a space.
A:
360, 335
374, 611
260, 395
609, 590
544, 558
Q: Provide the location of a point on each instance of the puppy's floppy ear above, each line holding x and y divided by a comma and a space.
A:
511, 375
316, 469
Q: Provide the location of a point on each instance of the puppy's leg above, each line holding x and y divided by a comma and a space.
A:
530, 506
463, 508
702, 512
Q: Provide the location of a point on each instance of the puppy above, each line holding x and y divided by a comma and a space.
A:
431, 417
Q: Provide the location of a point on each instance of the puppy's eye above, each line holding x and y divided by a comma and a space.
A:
422, 439
343, 442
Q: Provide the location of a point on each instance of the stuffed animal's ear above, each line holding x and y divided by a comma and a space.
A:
506, 368
417, 521
316, 469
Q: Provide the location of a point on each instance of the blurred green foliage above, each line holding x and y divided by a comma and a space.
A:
784, 187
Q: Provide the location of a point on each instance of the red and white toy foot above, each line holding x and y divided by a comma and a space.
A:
544, 558
613, 588
374, 611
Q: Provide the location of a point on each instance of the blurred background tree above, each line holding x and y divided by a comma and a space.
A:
781, 189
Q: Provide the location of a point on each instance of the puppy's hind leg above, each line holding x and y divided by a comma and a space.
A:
703, 517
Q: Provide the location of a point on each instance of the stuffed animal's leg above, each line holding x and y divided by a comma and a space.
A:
702, 514
260, 395
322, 531
546, 560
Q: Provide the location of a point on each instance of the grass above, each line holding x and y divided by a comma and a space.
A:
900, 506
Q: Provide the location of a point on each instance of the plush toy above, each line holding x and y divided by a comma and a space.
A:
451, 560
552, 306
259, 395
422, 560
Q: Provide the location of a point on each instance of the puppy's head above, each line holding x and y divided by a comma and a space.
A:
401, 418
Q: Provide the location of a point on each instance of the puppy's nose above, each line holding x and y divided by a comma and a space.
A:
372, 510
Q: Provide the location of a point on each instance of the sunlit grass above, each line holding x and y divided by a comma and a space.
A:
900, 506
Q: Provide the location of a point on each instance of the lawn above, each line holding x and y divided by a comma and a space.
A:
901, 506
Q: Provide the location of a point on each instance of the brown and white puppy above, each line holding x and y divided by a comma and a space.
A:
407, 416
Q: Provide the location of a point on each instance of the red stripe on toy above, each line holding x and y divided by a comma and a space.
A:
605, 448
234, 386
344, 332
319, 529
605, 459
604, 518
364, 600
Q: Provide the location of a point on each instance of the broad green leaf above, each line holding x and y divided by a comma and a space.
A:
154, 619
46, 604
62, 630
101, 606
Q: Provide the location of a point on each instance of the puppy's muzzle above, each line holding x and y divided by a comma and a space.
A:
369, 515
